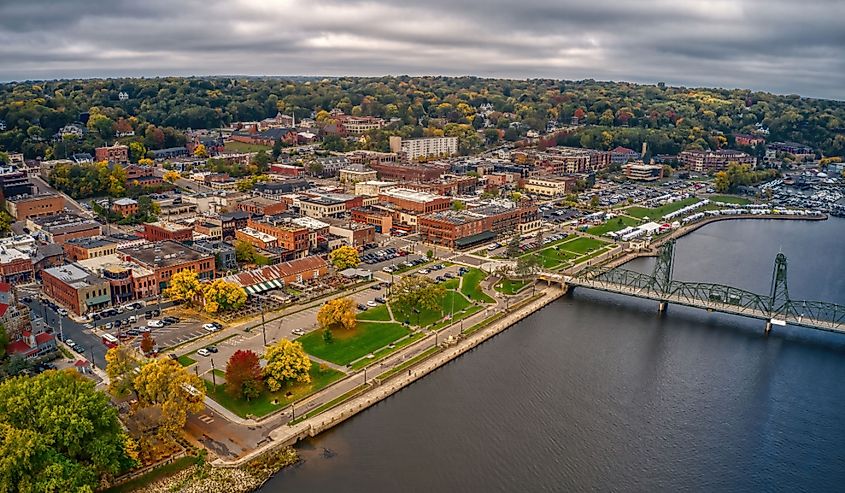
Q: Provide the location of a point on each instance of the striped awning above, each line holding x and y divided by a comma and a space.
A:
277, 283
251, 290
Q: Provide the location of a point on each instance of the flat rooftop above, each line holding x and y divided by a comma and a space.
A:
168, 226
411, 195
74, 275
163, 254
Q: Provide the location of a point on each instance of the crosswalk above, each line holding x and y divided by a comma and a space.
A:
205, 418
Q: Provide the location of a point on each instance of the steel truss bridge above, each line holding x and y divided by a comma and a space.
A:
776, 307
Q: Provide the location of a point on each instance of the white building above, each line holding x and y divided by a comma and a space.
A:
424, 148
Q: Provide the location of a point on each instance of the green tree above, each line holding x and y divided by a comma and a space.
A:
137, 151
512, 250
418, 292
58, 433
245, 252
527, 265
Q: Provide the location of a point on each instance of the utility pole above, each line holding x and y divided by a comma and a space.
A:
213, 376
61, 329
263, 323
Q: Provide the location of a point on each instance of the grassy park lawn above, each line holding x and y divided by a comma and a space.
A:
510, 286
385, 351
658, 212
615, 224
552, 257
186, 360
264, 404
244, 147
348, 346
378, 313
427, 317
471, 286
459, 315
583, 245
452, 283
729, 199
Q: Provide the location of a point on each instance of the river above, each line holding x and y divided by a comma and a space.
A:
599, 392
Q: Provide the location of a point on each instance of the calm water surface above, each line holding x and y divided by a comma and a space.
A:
598, 393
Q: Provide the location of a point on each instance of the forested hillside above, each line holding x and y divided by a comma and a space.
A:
669, 118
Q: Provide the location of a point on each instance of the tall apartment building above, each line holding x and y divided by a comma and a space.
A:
424, 148
712, 161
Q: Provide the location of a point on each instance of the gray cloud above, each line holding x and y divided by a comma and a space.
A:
778, 45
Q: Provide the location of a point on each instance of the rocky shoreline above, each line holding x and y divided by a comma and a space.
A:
205, 478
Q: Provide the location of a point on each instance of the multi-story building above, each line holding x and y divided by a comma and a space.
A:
224, 253
447, 185
372, 188
231, 221
169, 257
357, 125
24, 207
622, 155
712, 161
800, 151
73, 286
116, 154
467, 228
208, 227
261, 206
380, 219
127, 280
87, 248
550, 187
257, 239
290, 236
643, 172
125, 206
414, 201
15, 266
355, 234
425, 148
322, 206
356, 173
167, 231
749, 140
14, 184
59, 228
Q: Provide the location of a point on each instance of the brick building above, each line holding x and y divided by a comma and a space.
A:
414, 201
86, 248
298, 271
261, 206
290, 236
116, 154
125, 206
167, 258
167, 231
24, 207
78, 289
59, 228
15, 266
380, 219
467, 228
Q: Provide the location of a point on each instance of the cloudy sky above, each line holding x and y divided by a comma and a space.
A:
785, 46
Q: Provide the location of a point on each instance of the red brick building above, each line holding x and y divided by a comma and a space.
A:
290, 236
414, 201
24, 207
262, 206
380, 219
276, 276
116, 154
407, 172
125, 206
167, 231
167, 258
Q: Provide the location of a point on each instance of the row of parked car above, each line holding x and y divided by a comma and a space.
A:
111, 312
407, 263
382, 255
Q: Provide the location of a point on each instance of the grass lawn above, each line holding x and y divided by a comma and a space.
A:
729, 199
427, 317
583, 245
263, 405
452, 283
615, 224
186, 360
348, 346
552, 257
378, 313
509, 286
244, 147
381, 353
658, 212
471, 286
459, 316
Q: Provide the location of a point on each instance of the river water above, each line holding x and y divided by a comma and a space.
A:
597, 392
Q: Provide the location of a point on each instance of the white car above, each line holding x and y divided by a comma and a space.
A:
61, 311
203, 352
155, 324
70, 342
133, 319
108, 325
298, 332
372, 303
210, 327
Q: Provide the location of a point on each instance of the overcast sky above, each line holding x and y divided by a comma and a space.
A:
784, 46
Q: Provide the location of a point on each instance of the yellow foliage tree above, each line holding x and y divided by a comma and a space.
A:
171, 176
286, 362
344, 257
337, 313
121, 362
201, 151
146, 162
221, 296
165, 384
184, 286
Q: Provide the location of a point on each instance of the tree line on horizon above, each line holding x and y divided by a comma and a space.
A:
159, 110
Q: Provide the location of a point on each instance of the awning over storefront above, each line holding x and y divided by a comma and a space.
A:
474, 239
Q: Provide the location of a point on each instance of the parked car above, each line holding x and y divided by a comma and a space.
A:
298, 332
218, 325
133, 332
79, 349
203, 352
375, 287
70, 342
132, 319
381, 300
155, 324
211, 349
61, 311
362, 307
210, 327
372, 303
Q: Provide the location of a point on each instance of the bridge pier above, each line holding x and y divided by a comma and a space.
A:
768, 326
661, 308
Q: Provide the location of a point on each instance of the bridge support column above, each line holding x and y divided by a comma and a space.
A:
661, 308
768, 326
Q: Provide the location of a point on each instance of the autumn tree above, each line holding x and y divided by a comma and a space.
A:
184, 286
171, 176
418, 292
137, 151
221, 296
243, 375
164, 384
200, 151
147, 343
121, 364
338, 313
58, 433
344, 257
286, 362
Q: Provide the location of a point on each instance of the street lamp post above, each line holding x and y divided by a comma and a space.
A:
213, 376
263, 322
61, 329
293, 412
